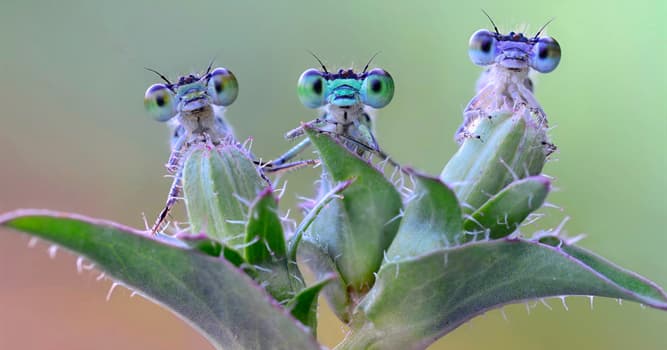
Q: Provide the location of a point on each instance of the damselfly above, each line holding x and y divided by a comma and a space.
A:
194, 107
345, 99
505, 84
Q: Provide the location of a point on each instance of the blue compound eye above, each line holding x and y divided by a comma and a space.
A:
222, 87
311, 88
377, 89
545, 55
482, 47
160, 102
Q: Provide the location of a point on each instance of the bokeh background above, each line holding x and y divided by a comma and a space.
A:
74, 137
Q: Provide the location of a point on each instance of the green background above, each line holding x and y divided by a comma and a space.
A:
74, 137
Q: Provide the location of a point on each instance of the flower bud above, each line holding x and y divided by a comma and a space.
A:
218, 185
505, 147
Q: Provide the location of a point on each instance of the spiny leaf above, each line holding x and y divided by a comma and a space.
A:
322, 265
629, 281
203, 244
264, 233
504, 212
505, 271
359, 227
315, 257
304, 305
215, 297
432, 220
266, 250
294, 241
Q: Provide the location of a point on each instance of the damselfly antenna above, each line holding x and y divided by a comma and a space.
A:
543, 27
320, 61
210, 65
159, 74
369, 62
494, 25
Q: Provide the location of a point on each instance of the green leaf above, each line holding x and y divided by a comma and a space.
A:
266, 250
405, 310
432, 220
629, 281
510, 145
203, 244
356, 230
210, 247
304, 305
218, 184
215, 297
235, 258
322, 265
319, 261
265, 240
504, 212
312, 214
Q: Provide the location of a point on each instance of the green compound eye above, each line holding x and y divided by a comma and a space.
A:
160, 102
311, 88
222, 87
482, 47
545, 55
377, 89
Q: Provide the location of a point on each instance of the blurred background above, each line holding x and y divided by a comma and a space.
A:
74, 137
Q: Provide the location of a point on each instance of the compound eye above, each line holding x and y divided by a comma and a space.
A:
545, 55
377, 89
160, 102
222, 87
482, 47
312, 88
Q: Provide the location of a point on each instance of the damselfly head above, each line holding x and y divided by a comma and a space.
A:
345, 88
514, 51
190, 93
